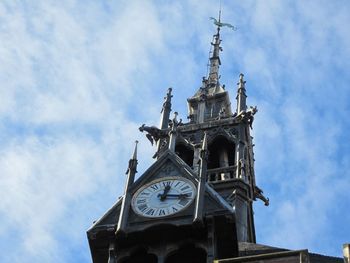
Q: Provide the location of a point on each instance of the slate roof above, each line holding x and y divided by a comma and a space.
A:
250, 249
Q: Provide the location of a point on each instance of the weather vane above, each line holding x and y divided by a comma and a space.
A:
219, 23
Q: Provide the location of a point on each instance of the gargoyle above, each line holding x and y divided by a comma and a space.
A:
153, 133
258, 193
222, 113
174, 123
251, 112
248, 115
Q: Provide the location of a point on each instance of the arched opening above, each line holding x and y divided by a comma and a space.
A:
221, 153
188, 254
185, 153
140, 256
221, 159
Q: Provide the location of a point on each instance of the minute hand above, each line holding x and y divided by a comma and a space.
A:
177, 195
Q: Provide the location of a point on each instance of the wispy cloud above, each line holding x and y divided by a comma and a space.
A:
77, 79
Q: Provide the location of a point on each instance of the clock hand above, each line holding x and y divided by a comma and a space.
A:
165, 193
180, 196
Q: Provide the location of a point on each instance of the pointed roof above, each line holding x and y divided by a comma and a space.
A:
214, 203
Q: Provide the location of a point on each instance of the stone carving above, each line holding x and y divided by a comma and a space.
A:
153, 133
174, 123
242, 168
233, 132
248, 115
222, 113
191, 117
258, 193
229, 133
192, 138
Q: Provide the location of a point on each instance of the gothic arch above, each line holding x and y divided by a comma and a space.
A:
229, 134
221, 152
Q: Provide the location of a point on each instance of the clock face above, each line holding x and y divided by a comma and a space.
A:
163, 197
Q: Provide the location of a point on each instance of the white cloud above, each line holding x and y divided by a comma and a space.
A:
78, 79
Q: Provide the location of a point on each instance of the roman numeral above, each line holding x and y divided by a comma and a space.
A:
183, 202
177, 184
142, 208
141, 201
154, 187
174, 209
161, 212
167, 183
150, 212
185, 187
145, 193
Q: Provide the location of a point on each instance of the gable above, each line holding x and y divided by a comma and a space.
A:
168, 165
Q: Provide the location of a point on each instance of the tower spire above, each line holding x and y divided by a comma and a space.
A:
215, 61
173, 132
166, 109
124, 211
241, 95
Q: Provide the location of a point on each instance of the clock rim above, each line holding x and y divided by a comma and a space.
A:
159, 180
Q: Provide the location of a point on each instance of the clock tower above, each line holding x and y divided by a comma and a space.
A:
195, 202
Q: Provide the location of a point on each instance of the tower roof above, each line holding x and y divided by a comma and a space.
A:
211, 91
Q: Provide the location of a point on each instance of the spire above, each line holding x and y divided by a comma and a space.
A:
165, 115
173, 132
166, 109
133, 161
215, 59
134, 155
241, 95
124, 210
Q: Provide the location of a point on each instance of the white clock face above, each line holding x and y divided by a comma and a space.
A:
163, 197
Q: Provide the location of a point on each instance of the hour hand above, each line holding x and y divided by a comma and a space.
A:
164, 195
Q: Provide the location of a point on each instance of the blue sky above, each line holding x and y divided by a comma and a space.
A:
79, 77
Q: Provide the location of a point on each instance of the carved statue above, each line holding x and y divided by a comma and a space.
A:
251, 112
242, 168
222, 113
248, 115
191, 117
153, 133
174, 123
258, 193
